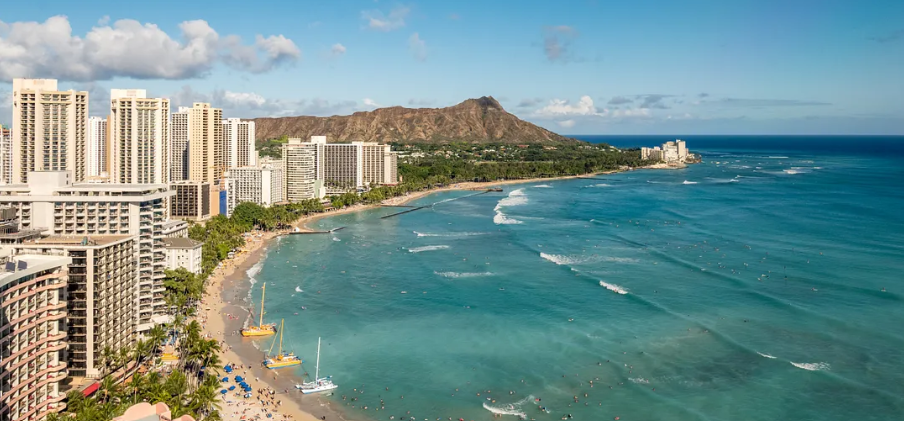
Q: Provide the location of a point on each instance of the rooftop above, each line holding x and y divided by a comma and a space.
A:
78, 240
181, 243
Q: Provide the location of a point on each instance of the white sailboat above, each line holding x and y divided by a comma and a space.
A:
319, 384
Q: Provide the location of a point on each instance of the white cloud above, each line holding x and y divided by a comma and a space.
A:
417, 47
566, 123
370, 103
378, 21
251, 104
103, 20
561, 107
128, 48
337, 50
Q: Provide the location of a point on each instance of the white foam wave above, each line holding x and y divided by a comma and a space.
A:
613, 288
254, 270
811, 366
766, 355
514, 409
640, 380
502, 219
449, 234
336, 239
515, 198
463, 274
543, 186
600, 185
561, 259
427, 248
689, 182
298, 289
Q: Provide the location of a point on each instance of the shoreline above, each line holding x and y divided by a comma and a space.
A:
224, 310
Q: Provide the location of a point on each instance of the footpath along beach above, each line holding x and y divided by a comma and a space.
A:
224, 311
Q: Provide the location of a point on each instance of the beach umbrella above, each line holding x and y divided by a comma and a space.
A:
239, 378
223, 392
231, 388
225, 379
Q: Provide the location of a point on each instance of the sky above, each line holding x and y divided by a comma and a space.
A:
572, 66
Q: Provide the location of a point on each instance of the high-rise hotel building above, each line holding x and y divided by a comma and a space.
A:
337, 167
239, 138
6, 155
139, 138
261, 184
206, 148
97, 147
52, 203
179, 145
300, 169
33, 336
49, 129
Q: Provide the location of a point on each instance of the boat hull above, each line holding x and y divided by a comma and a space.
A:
258, 332
281, 364
317, 389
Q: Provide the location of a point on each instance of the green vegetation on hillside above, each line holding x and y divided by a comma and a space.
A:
272, 147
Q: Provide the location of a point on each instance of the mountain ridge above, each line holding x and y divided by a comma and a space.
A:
475, 120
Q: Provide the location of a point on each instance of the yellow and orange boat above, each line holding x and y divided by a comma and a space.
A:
261, 329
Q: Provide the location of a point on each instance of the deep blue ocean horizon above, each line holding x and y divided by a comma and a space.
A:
762, 284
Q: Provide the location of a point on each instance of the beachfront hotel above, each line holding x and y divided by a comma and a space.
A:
336, 167
100, 294
49, 129
206, 148
183, 252
32, 336
139, 137
672, 152
261, 184
51, 203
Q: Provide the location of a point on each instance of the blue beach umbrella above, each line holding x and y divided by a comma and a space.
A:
223, 392
231, 387
225, 379
239, 378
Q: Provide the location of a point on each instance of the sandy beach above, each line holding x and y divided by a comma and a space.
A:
224, 311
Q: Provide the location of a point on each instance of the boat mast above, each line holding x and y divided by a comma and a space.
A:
263, 291
280, 336
317, 367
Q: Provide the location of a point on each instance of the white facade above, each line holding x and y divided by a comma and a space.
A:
97, 146
52, 203
49, 129
262, 185
139, 137
6, 155
299, 161
179, 145
379, 164
183, 253
239, 138
670, 152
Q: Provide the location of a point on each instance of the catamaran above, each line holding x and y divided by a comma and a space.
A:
261, 329
320, 384
282, 359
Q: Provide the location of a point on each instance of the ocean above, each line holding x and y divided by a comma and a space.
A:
762, 284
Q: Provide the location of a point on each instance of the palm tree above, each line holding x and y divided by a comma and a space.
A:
108, 387
107, 359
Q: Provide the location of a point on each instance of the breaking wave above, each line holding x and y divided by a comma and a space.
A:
766, 355
298, 289
561, 259
613, 288
811, 366
515, 198
689, 182
448, 234
463, 274
640, 380
427, 248
543, 186
514, 409
254, 270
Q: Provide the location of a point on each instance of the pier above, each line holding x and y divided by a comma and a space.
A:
404, 212
316, 232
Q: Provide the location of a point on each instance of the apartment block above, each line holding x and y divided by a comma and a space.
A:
101, 294
175, 228
206, 146
299, 161
193, 201
183, 253
179, 145
97, 147
32, 336
49, 129
6, 155
262, 185
343, 167
52, 203
670, 152
139, 138
239, 138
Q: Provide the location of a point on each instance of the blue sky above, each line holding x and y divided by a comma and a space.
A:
575, 67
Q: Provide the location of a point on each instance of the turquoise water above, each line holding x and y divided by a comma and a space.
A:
753, 290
